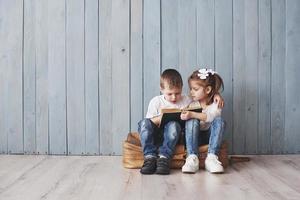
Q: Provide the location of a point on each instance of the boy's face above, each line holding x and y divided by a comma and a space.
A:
172, 95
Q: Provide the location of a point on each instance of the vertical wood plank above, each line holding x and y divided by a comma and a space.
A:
136, 63
91, 77
223, 61
278, 82
205, 33
120, 73
264, 77
152, 47
15, 78
187, 40
251, 96
105, 76
3, 135
239, 73
42, 100
29, 76
75, 76
292, 71
11, 62
57, 77
169, 34
3, 67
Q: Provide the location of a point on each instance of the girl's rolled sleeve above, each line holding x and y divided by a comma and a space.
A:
212, 113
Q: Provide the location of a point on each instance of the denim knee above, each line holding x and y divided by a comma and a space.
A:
172, 129
219, 121
144, 124
191, 124
192, 129
216, 135
146, 129
147, 134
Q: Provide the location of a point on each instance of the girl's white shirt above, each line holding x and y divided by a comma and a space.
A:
159, 102
212, 111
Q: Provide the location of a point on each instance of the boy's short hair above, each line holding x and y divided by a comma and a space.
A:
172, 77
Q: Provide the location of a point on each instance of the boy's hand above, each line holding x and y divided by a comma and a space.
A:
219, 100
156, 120
186, 115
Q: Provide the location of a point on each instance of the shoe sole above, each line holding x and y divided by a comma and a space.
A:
147, 172
162, 172
215, 172
189, 171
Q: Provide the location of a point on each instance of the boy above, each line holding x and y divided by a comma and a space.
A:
150, 130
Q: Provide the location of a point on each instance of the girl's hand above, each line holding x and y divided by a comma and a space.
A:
219, 100
186, 115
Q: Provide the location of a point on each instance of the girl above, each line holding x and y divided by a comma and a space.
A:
206, 127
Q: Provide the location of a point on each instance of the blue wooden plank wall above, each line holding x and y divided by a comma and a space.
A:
77, 75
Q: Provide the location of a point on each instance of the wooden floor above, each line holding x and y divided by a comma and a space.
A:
93, 177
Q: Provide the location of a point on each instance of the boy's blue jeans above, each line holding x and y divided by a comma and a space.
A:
151, 136
213, 137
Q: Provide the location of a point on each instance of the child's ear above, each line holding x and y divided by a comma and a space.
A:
161, 89
208, 89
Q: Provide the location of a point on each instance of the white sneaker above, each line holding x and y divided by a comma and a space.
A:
212, 164
191, 164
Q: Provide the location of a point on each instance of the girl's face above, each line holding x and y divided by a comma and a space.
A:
197, 91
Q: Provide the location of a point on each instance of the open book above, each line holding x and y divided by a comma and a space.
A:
173, 114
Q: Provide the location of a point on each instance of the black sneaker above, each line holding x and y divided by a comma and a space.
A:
149, 166
163, 166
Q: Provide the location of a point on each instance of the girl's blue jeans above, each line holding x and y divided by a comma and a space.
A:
213, 137
159, 141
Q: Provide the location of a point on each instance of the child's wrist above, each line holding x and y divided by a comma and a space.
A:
193, 115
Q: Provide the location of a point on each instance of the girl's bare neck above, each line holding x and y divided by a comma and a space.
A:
203, 103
